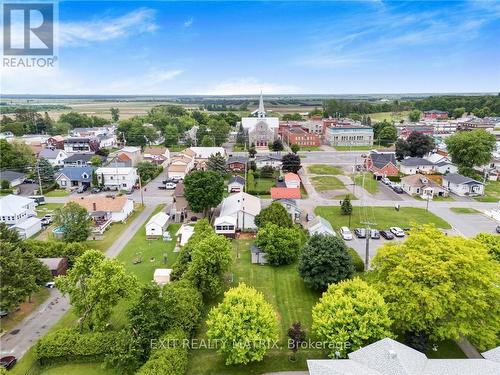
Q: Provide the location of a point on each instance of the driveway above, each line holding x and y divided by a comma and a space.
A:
468, 225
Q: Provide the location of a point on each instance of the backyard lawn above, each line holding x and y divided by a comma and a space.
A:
465, 210
259, 184
491, 192
47, 208
324, 183
383, 217
79, 369
292, 301
57, 193
324, 169
370, 184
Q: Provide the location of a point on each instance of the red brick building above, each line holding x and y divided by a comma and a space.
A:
297, 135
382, 164
435, 114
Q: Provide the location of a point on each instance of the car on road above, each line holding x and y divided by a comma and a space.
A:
387, 234
170, 186
385, 180
167, 181
397, 189
50, 284
28, 181
498, 229
374, 234
81, 189
8, 361
397, 231
95, 190
345, 233
360, 232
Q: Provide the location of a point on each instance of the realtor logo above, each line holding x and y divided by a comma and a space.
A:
28, 29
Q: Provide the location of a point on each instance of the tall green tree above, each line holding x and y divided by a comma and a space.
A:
115, 114
277, 145
349, 315
419, 144
491, 242
281, 244
325, 260
203, 190
443, 286
16, 156
291, 163
414, 115
207, 141
245, 323
148, 171
217, 164
470, 149
46, 171
74, 222
96, 161
346, 207
95, 285
295, 148
275, 213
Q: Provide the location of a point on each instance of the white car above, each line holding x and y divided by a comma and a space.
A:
345, 233
50, 284
170, 186
385, 180
398, 232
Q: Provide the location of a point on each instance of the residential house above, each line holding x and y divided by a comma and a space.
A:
292, 180
423, 186
93, 132
225, 225
269, 160
70, 178
28, 228
81, 145
122, 160
258, 256
180, 166
388, 356
435, 114
15, 209
14, 178
291, 207
157, 225
56, 141
237, 163
236, 184
131, 153
243, 207
114, 208
78, 160
319, 225
415, 165
55, 156
462, 185
285, 193
56, 266
382, 164
157, 155
444, 167
117, 178
179, 209
107, 140
203, 153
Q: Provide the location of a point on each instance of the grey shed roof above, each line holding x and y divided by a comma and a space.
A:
414, 162
11, 175
458, 179
238, 179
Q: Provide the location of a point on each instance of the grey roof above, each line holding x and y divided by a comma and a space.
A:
76, 173
435, 111
237, 159
11, 175
49, 153
77, 140
458, 179
415, 162
256, 250
291, 202
381, 160
51, 263
84, 158
268, 157
237, 179
443, 163
493, 354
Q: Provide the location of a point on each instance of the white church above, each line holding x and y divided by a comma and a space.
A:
262, 130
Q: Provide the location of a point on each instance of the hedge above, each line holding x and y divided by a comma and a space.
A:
68, 345
359, 264
170, 355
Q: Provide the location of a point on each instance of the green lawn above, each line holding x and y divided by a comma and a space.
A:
383, 217
370, 184
238, 148
47, 208
324, 169
464, 210
491, 192
381, 116
310, 148
57, 193
114, 231
292, 301
150, 252
259, 184
78, 369
323, 183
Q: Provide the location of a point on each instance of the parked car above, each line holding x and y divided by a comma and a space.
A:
8, 361
3, 314
309, 217
170, 186
50, 284
29, 181
387, 234
81, 189
167, 181
360, 232
95, 190
281, 178
385, 180
46, 221
398, 232
397, 189
345, 233
374, 234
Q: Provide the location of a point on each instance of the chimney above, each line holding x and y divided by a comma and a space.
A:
393, 354
94, 206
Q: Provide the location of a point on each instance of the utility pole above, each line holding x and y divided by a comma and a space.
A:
40, 189
368, 232
140, 189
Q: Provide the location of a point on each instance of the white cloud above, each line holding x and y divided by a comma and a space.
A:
188, 23
139, 21
249, 85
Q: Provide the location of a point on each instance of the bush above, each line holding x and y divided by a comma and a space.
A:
67, 345
359, 264
6, 191
170, 356
5, 184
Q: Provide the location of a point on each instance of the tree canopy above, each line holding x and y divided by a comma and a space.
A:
217, 164
203, 190
291, 163
444, 286
275, 213
74, 222
416, 145
281, 244
245, 324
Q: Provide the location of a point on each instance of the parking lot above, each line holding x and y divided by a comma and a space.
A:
359, 244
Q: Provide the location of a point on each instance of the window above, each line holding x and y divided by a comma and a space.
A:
63, 182
218, 227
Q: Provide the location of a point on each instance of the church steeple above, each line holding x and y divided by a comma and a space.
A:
261, 112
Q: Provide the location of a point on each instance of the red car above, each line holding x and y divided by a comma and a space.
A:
8, 362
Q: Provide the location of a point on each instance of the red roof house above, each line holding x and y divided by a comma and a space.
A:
285, 193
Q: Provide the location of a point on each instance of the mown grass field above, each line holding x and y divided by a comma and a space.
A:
381, 116
324, 183
369, 183
57, 193
491, 192
384, 217
324, 169
464, 210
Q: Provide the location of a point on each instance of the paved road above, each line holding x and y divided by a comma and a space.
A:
40, 321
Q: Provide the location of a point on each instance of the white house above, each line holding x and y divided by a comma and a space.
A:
28, 227
415, 165
15, 209
292, 180
225, 225
161, 276
180, 166
236, 184
270, 160
55, 156
203, 153
73, 177
319, 225
444, 167
14, 178
422, 186
157, 155
157, 225
115, 209
291, 207
243, 207
117, 178
462, 185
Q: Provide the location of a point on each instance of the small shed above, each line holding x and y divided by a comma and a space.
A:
320, 225
28, 227
236, 184
225, 225
184, 234
162, 276
157, 225
258, 256
56, 266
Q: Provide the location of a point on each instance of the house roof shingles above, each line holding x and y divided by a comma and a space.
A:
105, 204
82, 174
285, 193
458, 179
415, 162
381, 160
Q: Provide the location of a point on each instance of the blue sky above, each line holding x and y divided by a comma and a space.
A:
142, 47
